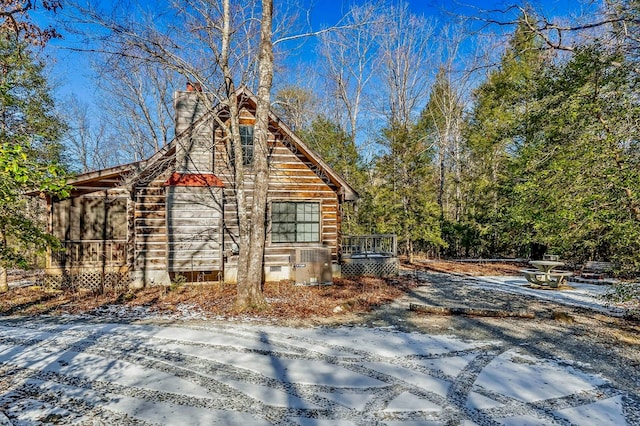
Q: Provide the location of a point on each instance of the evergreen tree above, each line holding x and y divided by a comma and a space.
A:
29, 153
403, 195
578, 183
495, 131
338, 149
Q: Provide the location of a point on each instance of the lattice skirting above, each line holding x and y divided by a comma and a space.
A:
387, 268
95, 281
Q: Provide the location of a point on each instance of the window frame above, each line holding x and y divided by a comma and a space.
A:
247, 142
310, 224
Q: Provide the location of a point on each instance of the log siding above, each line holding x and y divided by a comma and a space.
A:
168, 222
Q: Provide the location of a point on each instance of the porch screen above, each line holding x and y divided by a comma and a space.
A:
295, 222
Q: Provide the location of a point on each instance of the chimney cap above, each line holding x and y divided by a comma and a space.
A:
194, 87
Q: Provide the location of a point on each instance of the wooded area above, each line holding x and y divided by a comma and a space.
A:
462, 147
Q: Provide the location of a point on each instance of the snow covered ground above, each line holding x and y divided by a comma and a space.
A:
576, 294
74, 370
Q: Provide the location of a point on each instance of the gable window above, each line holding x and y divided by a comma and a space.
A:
246, 141
295, 222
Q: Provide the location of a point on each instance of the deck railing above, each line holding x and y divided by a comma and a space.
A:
369, 244
90, 253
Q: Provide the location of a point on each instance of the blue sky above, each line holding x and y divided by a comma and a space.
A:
72, 72
329, 11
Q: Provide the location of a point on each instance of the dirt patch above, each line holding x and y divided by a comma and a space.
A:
475, 268
287, 301
597, 342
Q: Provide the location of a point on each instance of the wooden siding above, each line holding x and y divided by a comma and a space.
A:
171, 229
194, 224
150, 225
194, 151
178, 229
292, 178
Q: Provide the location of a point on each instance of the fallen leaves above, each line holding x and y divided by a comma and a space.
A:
286, 300
477, 268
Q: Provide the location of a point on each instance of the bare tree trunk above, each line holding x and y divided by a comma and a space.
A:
233, 132
458, 175
244, 217
250, 288
4, 283
442, 169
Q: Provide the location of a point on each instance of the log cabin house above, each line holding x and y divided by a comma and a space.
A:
175, 213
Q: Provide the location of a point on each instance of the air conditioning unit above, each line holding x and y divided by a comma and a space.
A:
313, 266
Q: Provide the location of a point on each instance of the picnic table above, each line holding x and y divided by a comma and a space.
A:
545, 275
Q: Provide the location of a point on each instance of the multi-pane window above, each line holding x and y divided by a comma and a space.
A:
295, 222
246, 141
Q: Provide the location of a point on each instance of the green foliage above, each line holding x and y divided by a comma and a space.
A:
625, 292
403, 197
554, 158
496, 130
335, 147
576, 183
177, 282
29, 153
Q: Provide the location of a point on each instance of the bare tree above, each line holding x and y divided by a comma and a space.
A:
249, 290
405, 65
445, 109
221, 46
137, 103
87, 140
16, 22
351, 60
295, 105
615, 23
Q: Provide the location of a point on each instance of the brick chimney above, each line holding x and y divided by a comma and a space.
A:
194, 87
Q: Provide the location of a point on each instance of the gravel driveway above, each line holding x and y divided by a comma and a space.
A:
570, 365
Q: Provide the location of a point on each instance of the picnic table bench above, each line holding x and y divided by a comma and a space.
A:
545, 275
552, 279
596, 270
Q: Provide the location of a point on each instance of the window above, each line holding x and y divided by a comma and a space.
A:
246, 141
295, 222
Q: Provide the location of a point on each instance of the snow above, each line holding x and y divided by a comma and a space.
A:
524, 420
605, 412
356, 401
174, 414
312, 372
392, 343
305, 421
579, 294
480, 402
74, 371
411, 376
270, 396
451, 366
93, 367
409, 402
529, 379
